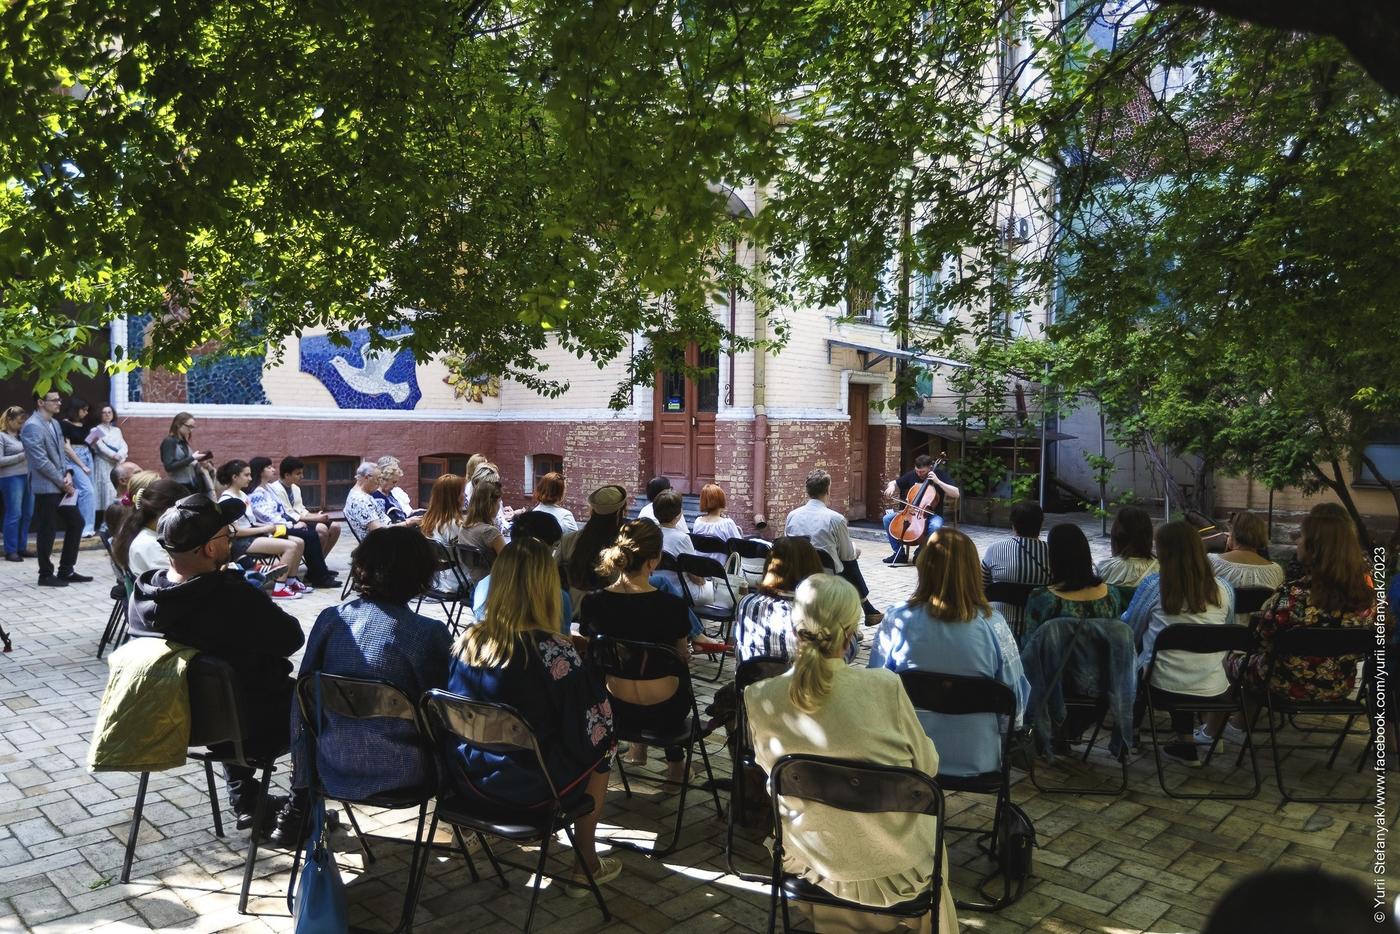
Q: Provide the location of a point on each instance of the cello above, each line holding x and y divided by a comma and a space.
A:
919, 515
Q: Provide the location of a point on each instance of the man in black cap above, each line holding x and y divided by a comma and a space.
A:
198, 603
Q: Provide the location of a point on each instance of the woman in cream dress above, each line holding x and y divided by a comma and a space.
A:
821, 706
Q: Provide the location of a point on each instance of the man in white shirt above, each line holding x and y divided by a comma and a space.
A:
288, 492
827, 530
655, 488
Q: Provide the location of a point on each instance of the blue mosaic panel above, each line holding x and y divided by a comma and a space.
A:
227, 380
135, 342
358, 379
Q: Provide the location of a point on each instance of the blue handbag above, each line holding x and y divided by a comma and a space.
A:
321, 906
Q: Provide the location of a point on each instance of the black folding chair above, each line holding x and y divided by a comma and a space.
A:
964, 695
452, 601
859, 787
1013, 595
828, 562
1199, 640
709, 544
474, 562
649, 661
215, 720
751, 549
704, 566
345, 698
1095, 706
749, 672
496, 728
1354, 642
1252, 599
114, 634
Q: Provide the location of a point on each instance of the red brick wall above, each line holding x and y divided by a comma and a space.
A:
796, 448
599, 453
734, 468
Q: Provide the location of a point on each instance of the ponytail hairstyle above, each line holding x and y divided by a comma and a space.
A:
638, 542
524, 596
149, 503
825, 613
1188, 583
485, 501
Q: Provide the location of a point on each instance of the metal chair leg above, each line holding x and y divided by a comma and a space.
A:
254, 835
213, 798
588, 873
359, 834
490, 855
539, 880
135, 826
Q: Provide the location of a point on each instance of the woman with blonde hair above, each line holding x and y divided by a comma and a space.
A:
949, 627
515, 655
1185, 590
391, 496
14, 484
822, 706
549, 494
1245, 561
632, 608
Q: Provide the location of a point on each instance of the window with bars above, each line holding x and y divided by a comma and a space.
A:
430, 468
325, 481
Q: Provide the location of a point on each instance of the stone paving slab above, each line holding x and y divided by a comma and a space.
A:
1136, 862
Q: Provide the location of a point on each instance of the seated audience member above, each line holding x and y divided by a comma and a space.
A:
1245, 561
488, 473
948, 626
579, 551
515, 655
549, 496
1332, 593
713, 520
542, 527
1130, 542
1075, 591
1021, 559
364, 513
250, 538
287, 490
655, 487
376, 636
763, 624
198, 602
1184, 590
479, 527
265, 508
121, 480
391, 496
442, 522
473, 462
676, 541
822, 706
899, 488
137, 545
829, 533
630, 607
1292, 901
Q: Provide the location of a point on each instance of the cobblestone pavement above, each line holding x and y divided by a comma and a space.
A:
1135, 862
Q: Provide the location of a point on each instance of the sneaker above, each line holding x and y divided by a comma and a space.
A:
283, 592
51, 581
1184, 753
299, 586
73, 577
1233, 734
609, 868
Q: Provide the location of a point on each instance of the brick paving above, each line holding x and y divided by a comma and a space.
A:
1136, 862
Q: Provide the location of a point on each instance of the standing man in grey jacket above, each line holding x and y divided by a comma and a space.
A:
51, 480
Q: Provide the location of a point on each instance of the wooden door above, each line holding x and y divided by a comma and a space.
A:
685, 412
859, 407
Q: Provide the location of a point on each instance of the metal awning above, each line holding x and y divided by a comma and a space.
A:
872, 355
953, 433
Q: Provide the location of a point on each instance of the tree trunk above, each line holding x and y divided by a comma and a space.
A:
1337, 483
1159, 461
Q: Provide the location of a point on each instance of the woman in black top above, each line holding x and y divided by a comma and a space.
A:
631, 608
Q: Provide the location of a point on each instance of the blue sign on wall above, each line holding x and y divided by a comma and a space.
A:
359, 378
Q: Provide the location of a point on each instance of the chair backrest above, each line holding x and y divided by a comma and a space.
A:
699, 565
490, 727
1203, 638
852, 785
215, 710
1010, 593
1252, 599
473, 561
758, 669
636, 661
709, 544
353, 698
828, 562
938, 692
442, 555
750, 547
1323, 642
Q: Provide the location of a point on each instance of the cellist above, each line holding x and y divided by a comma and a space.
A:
924, 467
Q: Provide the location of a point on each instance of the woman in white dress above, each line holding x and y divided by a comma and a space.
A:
109, 449
712, 519
1244, 562
549, 494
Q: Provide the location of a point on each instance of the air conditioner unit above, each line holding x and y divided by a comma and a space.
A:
1018, 229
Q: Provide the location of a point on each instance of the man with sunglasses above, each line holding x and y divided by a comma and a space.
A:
200, 603
51, 479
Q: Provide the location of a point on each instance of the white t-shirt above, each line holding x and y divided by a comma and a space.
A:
146, 554
676, 541
567, 522
723, 527
1194, 673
